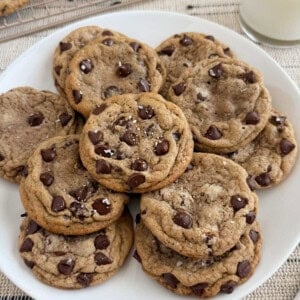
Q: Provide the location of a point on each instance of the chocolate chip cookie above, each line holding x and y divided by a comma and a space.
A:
61, 196
111, 66
225, 103
67, 48
75, 262
271, 155
205, 212
29, 117
136, 143
183, 51
199, 277
8, 7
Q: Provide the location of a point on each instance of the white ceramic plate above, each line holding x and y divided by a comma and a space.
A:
279, 206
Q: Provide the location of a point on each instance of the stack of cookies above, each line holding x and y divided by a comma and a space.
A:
187, 126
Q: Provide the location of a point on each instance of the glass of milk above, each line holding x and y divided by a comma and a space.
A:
275, 22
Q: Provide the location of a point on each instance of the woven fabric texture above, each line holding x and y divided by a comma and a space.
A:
285, 283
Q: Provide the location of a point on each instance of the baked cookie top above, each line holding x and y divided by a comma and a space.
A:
29, 117
8, 7
69, 45
225, 103
271, 155
136, 143
199, 277
112, 66
61, 196
182, 51
74, 262
204, 212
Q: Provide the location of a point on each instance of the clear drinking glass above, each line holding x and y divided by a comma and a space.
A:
275, 22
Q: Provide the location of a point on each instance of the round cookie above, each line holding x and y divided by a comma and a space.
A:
8, 7
29, 117
111, 66
270, 157
74, 262
202, 278
67, 48
136, 143
61, 196
185, 50
205, 212
225, 103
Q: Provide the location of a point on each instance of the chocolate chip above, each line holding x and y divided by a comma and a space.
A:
183, 219
251, 182
226, 51
216, 71
103, 167
77, 95
139, 165
86, 66
104, 151
23, 215
57, 69
101, 242
138, 219
135, 46
108, 42
213, 133
78, 210
65, 118
85, 279
278, 120
122, 121
170, 280
64, 46
200, 98
1, 157
250, 217
210, 37
120, 155
286, 146
66, 266
111, 90
162, 148
48, 154
27, 245
135, 180
95, 136
176, 136
28, 263
101, 259
263, 179
186, 41
22, 171
179, 88
238, 202
146, 112
167, 51
107, 32
102, 206
249, 77
80, 194
58, 204
143, 85
129, 138
254, 236
99, 109
35, 119
46, 178
124, 70
32, 227
243, 269
136, 256
228, 287
252, 118
199, 288
94, 186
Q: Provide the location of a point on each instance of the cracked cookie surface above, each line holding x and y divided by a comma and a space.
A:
196, 277
205, 211
75, 262
29, 117
61, 196
225, 103
136, 143
8, 7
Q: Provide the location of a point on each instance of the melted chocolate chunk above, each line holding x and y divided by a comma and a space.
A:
103, 167
243, 269
102, 206
108, 42
130, 138
139, 165
179, 88
251, 182
47, 178
263, 179
85, 279
77, 95
66, 266
32, 227
80, 194
213, 133
252, 118
99, 109
64, 119
35, 119
170, 280
254, 236
102, 259
286, 147
86, 66
58, 204
124, 70
216, 71
250, 217
27, 245
57, 70
199, 288
48, 155
64, 46
146, 112
186, 41
238, 202
183, 219
104, 151
101, 241
95, 137
22, 171
28, 263
162, 148
135, 180
167, 51
228, 287
249, 77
